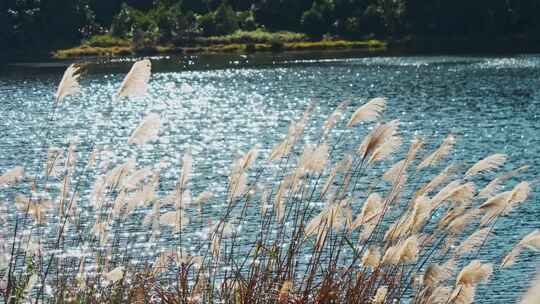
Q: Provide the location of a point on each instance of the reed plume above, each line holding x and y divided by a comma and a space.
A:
369, 112
12, 176
147, 131
487, 164
69, 85
135, 84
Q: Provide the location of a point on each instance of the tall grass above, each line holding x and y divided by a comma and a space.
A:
308, 222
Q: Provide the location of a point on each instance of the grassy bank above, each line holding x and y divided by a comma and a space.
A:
238, 42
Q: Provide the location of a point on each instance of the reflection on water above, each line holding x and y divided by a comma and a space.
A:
220, 106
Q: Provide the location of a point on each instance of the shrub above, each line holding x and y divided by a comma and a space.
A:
105, 41
246, 21
129, 21
174, 24
318, 19
223, 21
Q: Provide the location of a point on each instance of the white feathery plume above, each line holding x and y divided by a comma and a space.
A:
464, 193
437, 180
420, 212
335, 216
370, 209
416, 144
97, 193
380, 295
391, 255
520, 193
475, 272
329, 181
510, 258
285, 291
371, 257
114, 275
439, 295
203, 197
495, 185
279, 201
462, 294
69, 85
314, 158
147, 194
119, 203
12, 176
386, 149
135, 83
35, 207
100, 231
473, 241
530, 241
460, 223
494, 206
504, 202
532, 296
456, 192
133, 180
187, 169
147, 130
377, 137
487, 164
296, 129
238, 185
249, 158
368, 112
176, 219
436, 274
445, 193
116, 175
408, 251
392, 175
334, 117
442, 151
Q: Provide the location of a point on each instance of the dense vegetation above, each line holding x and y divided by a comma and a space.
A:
50, 24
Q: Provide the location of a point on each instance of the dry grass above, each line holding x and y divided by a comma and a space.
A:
330, 228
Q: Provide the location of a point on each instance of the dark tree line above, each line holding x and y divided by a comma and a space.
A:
49, 24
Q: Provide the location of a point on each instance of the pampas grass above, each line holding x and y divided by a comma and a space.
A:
147, 131
308, 221
12, 176
69, 85
135, 84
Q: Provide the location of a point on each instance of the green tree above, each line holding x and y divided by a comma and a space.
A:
318, 19
222, 21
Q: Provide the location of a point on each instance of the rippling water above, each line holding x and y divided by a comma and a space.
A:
218, 108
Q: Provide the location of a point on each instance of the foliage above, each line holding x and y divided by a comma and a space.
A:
22, 23
257, 36
105, 41
223, 21
317, 20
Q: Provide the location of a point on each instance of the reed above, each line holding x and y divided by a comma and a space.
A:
329, 226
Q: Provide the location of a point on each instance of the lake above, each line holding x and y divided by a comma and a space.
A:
218, 106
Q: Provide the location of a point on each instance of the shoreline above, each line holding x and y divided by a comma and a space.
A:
423, 46
403, 46
368, 46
